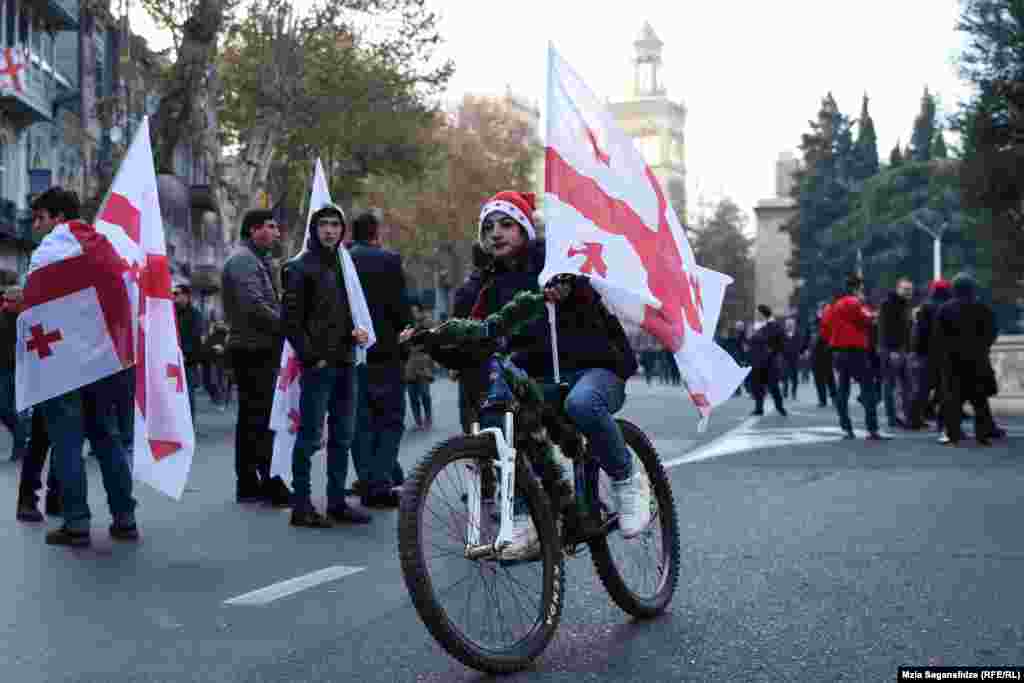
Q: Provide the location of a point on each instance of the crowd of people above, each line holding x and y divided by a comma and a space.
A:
922, 360
356, 389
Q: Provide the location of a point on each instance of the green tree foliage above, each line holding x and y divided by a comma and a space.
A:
720, 244
331, 83
939, 150
891, 219
925, 126
866, 162
895, 156
482, 147
823, 194
992, 133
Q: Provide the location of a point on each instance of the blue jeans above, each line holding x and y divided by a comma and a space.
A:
90, 412
380, 423
325, 391
20, 425
897, 390
854, 365
594, 396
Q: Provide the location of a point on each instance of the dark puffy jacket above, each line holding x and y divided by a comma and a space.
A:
588, 336
767, 345
894, 324
383, 279
251, 304
920, 338
317, 317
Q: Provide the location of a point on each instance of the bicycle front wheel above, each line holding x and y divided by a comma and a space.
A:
493, 616
640, 574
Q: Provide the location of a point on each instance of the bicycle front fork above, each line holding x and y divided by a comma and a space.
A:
506, 465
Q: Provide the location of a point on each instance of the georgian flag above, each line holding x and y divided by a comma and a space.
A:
98, 301
285, 416
608, 218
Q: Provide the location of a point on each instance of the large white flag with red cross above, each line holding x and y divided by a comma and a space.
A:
165, 438
607, 217
12, 64
98, 301
285, 416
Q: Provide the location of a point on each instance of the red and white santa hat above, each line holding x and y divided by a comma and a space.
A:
520, 206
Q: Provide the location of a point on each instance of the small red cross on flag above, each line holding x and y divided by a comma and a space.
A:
40, 341
294, 421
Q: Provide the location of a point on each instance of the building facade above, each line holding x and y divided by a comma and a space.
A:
655, 122
772, 247
75, 85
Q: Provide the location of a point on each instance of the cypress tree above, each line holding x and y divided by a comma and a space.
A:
939, 150
895, 156
866, 150
924, 129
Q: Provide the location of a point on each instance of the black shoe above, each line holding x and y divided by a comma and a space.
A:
54, 508
782, 412
310, 518
29, 513
984, 441
875, 436
124, 532
348, 515
390, 499
248, 498
358, 489
757, 413
276, 493
64, 536
848, 434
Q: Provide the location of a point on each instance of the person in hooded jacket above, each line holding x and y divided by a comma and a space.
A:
924, 364
595, 355
318, 323
963, 334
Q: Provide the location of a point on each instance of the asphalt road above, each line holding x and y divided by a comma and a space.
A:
805, 558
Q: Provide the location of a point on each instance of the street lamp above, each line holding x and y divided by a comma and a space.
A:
936, 244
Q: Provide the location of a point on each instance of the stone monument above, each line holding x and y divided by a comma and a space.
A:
772, 247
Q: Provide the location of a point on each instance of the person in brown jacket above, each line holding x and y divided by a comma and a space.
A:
418, 375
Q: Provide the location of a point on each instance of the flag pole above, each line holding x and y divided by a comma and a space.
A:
554, 340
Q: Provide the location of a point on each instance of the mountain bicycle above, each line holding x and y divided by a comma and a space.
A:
496, 614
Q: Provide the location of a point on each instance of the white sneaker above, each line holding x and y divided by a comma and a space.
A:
524, 542
633, 497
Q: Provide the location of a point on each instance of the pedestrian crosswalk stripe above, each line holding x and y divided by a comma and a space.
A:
276, 591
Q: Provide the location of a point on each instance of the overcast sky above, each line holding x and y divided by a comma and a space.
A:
751, 74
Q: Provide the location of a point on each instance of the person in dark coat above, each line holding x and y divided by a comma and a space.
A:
736, 345
766, 349
18, 427
894, 328
318, 322
253, 311
964, 332
191, 328
821, 360
923, 363
792, 349
380, 413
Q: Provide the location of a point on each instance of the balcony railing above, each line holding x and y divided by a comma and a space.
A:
34, 102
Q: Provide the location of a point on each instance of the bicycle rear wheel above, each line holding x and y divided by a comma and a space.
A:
640, 574
491, 615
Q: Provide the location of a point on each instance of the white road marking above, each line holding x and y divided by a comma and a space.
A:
708, 450
275, 591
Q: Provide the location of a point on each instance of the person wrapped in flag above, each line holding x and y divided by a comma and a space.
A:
594, 354
77, 298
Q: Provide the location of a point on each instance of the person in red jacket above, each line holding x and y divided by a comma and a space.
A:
848, 324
